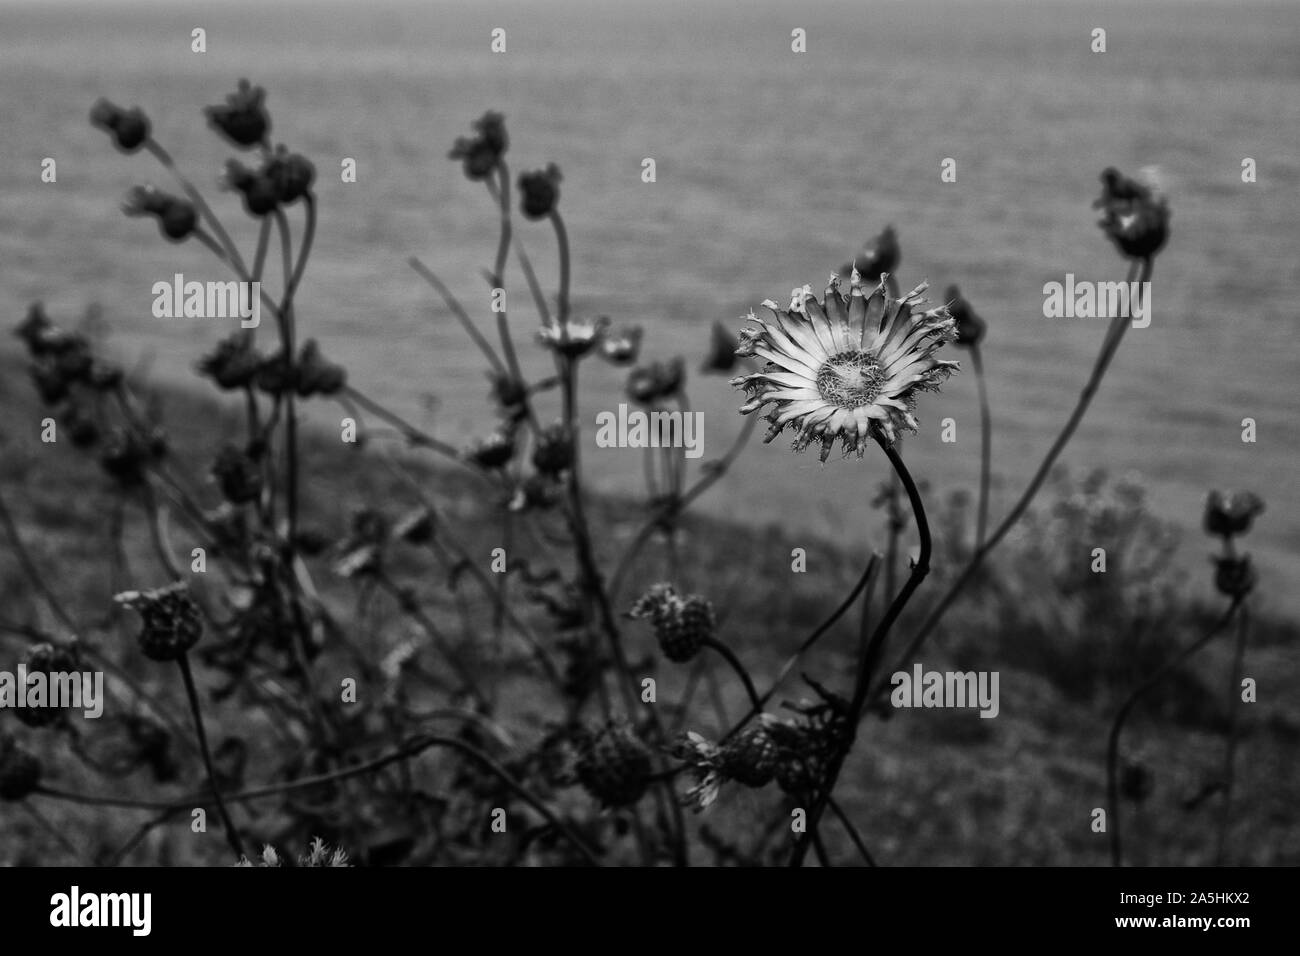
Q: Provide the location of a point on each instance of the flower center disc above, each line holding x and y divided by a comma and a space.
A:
850, 379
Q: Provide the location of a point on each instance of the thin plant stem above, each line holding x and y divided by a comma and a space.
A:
1112, 743
412, 434
562, 240
862, 587
232, 835
498, 272
865, 667
459, 311
895, 521
154, 147
986, 442
730, 657
1230, 750
405, 752
535, 287
851, 830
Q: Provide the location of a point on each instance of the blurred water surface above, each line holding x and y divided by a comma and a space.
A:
772, 168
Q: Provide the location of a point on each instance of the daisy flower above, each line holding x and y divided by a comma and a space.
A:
848, 367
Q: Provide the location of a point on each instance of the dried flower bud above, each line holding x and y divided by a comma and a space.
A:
541, 191
881, 254
553, 452
260, 192
1135, 215
511, 395
32, 330
127, 455
751, 756
49, 660
1231, 514
614, 766
482, 153
176, 217
172, 623
1234, 576
178, 221
242, 119
681, 624
128, 128
291, 175
316, 375
233, 363
275, 375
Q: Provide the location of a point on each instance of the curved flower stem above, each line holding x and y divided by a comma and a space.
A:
819, 848
239, 270
535, 287
562, 240
851, 830
416, 747
730, 657
232, 835
1109, 346
498, 272
1230, 752
458, 310
412, 434
872, 651
1112, 744
867, 580
896, 524
986, 444
197, 198
263, 246
292, 273
408, 750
